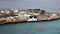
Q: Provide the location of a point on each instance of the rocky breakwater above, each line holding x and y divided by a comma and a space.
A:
17, 15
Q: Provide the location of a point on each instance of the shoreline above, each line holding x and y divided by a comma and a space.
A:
28, 22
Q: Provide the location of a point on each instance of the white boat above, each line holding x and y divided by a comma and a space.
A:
32, 19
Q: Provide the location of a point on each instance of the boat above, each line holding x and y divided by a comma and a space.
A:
32, 18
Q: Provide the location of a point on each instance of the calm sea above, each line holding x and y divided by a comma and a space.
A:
51, 27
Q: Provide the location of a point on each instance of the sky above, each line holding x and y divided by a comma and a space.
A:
49, 5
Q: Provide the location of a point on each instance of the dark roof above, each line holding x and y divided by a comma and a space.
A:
33, 9
42, 11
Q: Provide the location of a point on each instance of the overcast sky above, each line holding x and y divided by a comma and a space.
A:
26, 4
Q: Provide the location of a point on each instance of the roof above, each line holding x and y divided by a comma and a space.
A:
33, 9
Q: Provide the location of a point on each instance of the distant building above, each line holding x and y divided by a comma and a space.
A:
36, 11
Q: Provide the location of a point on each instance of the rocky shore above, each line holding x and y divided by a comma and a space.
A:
14, 15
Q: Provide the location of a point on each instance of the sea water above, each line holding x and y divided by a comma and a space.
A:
45, 27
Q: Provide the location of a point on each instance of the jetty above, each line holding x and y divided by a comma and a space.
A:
14, 15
